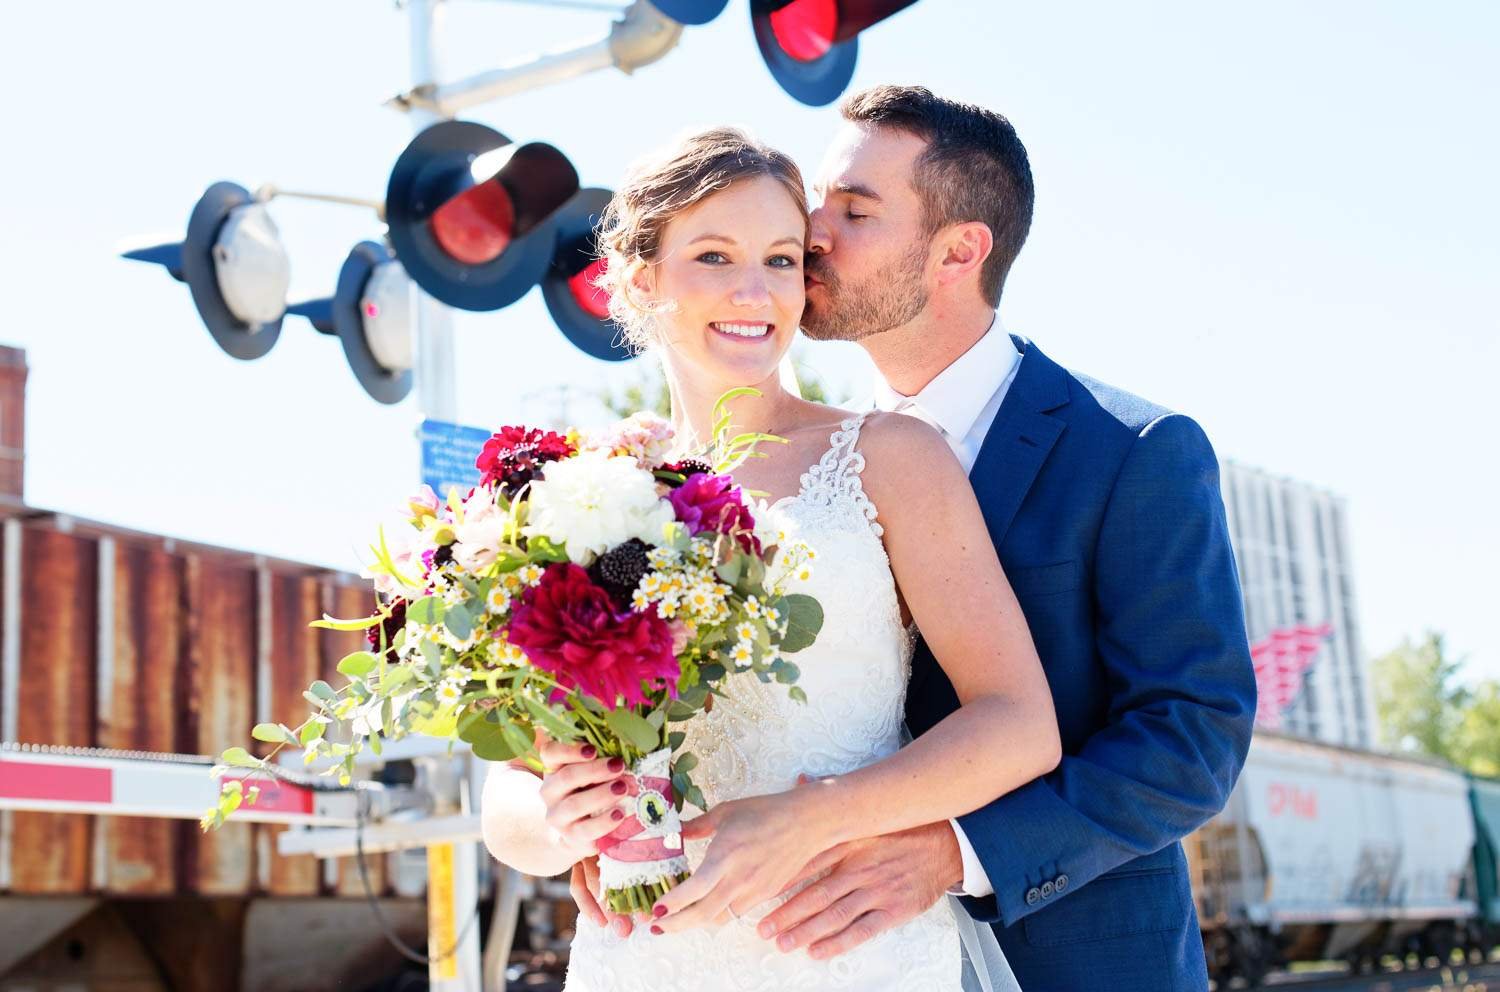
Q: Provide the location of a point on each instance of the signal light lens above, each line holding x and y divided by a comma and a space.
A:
805, 29
592, 298
475, 226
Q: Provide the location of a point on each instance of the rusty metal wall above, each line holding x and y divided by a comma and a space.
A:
119, 639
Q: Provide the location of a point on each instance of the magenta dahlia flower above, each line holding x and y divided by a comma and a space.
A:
569, 627
714, 504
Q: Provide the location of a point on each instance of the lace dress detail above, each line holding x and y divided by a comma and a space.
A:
757, 741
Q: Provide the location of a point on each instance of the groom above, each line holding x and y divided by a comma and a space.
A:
1106, 513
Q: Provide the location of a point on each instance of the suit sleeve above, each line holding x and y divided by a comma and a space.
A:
1170, 635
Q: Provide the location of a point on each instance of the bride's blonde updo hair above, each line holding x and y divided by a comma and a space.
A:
658, 189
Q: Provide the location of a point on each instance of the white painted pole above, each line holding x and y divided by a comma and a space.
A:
452, 883
433, 324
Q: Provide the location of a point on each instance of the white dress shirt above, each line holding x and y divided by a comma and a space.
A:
961, 403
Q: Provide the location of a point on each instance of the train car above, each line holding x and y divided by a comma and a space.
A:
1484, 799
1325, 852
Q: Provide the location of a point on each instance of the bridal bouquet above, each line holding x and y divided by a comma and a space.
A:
588, 590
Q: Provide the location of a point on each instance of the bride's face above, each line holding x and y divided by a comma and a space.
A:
731, 266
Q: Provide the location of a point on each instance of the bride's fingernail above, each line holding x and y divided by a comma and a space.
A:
618, 787
656, 929
617, 814
616, 764
658, 911
589, 751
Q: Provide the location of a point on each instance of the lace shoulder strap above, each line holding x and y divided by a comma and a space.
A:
836, 475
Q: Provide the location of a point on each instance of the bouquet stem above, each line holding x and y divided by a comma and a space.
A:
639, 898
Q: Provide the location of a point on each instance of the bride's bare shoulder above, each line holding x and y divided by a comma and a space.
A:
904, 456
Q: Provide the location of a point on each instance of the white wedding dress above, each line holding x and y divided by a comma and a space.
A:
757, 741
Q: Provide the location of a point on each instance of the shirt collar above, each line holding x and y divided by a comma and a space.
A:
956, 396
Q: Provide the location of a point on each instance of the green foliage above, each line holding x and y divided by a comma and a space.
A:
1418, 698
1425, 707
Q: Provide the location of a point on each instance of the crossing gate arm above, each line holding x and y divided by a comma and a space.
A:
46, 778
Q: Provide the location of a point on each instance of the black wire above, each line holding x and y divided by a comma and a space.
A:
393, 938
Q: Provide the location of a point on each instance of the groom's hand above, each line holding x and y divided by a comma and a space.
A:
874, 884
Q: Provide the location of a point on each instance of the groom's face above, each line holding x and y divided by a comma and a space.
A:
868, 247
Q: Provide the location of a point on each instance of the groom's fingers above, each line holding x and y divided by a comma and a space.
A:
816, 867
862, 929
578, 886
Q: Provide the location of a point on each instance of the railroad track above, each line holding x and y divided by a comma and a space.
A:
1450, 978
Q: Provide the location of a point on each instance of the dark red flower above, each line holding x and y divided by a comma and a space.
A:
684, 468
569, 627
513, 456
388, 628
713, 503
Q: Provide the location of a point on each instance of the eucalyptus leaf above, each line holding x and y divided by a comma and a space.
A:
323, 691
804, 616
427, 611
675, 739
633, 729
458, 621
239, 757
521, 741
556, 727
685, 762
358, 665
268, 732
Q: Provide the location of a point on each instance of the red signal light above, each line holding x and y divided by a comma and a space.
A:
805, 29
591, 297
475, 226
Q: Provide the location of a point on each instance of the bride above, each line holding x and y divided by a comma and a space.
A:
705, 248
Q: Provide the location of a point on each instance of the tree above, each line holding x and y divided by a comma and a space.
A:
1477, 738
1420, 704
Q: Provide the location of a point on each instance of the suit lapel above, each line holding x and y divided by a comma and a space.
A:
1020, 439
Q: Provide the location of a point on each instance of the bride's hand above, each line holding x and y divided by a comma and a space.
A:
582, 794
759, 846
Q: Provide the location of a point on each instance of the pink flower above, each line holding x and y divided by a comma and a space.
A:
713, 503
569, 627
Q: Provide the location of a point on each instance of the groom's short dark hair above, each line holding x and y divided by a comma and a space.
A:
974, 167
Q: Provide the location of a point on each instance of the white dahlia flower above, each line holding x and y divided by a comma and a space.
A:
595, 501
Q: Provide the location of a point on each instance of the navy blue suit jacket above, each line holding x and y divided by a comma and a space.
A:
1108, 519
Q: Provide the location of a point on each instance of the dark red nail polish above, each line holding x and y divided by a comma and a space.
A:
656, 929
618, 787
617, 764
589, 751
658, 911
617, 815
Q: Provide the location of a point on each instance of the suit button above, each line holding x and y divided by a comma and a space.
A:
1062, 882
1047, 890
1033, 896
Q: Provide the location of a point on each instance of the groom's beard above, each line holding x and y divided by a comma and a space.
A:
887, 299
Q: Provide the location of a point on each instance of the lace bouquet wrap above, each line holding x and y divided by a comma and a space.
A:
587, 590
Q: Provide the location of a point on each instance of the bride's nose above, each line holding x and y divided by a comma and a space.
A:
751, 291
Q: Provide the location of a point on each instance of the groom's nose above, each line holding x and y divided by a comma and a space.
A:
819, 236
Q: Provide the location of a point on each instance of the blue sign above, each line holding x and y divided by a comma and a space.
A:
449, 452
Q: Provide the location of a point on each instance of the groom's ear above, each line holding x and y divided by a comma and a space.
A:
961, 251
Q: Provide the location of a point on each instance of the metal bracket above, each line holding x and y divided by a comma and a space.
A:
641, 36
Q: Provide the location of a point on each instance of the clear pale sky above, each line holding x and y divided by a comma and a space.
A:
1281, 219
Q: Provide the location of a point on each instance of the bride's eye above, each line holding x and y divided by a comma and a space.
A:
782, 262
713, 257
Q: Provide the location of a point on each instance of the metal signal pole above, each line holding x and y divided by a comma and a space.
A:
452, 867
